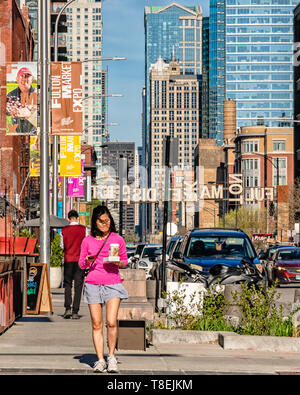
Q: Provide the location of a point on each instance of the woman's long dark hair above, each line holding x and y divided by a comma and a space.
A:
97, 212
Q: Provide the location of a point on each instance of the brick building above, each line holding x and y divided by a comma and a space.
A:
16, 44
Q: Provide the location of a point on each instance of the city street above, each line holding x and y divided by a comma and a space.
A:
51, 345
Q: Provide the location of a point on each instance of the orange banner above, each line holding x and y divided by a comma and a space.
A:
66, 98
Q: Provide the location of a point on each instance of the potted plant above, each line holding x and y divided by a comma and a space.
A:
56, 258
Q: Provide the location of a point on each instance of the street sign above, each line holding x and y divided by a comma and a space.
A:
84, 214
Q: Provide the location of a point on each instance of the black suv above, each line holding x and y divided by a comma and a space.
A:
210, 246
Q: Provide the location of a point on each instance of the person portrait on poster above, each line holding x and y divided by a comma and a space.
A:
21, 101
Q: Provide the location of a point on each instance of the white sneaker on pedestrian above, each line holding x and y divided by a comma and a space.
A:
112, 364
100, 366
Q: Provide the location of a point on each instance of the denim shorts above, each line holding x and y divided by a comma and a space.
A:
101, 293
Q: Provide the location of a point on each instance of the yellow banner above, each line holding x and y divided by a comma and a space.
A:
35, 156
70, 156
34, 161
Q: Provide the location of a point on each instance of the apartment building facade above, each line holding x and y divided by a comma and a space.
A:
175, 112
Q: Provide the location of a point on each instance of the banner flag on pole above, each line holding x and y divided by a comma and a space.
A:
70, 156
66, 98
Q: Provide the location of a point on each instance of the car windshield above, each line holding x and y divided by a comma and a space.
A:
289, 255
170, 246
231, 247
149, 252
139, 249
271, 251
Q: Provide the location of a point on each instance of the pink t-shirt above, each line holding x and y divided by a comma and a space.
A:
102, 272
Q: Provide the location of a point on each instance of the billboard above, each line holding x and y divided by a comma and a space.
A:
21, 98
70, 156
66, 98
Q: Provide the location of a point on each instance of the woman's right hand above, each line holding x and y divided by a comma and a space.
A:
90, 258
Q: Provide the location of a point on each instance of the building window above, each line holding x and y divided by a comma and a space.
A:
278, 145
186, 100
250, 146
250, 164
156, 94
279, 171
171, 100
164, 94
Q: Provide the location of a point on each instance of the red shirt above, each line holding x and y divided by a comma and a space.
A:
72, 238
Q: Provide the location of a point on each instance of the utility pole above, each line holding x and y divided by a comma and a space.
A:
165, 214
55, 138
44, 136
122, 177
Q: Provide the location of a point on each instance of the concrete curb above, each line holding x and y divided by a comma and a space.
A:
227, 340
260, 343
185, 336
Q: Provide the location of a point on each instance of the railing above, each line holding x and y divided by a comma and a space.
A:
11, 292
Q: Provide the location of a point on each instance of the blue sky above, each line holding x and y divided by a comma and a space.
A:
123, 35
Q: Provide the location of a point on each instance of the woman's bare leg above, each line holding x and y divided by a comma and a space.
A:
97, 329
112, 308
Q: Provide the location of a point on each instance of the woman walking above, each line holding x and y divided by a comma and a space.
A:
103, 283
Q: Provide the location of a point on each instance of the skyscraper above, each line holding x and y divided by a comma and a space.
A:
173, 30
175, 112
172, 33
251, 48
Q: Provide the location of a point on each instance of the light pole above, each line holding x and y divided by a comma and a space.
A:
55, 138
44, 136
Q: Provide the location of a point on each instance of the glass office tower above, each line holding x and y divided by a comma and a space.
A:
251, 62
216, 68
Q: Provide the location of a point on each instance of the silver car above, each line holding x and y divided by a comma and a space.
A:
148, 258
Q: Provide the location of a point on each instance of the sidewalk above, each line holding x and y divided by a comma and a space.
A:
49, 344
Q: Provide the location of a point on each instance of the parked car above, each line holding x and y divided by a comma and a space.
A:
208, 247
156, 271
171, 244
286, 265
136, 255
173, 271
130, 254
265, 258
148, 257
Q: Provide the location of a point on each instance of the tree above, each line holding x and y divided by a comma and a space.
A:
249, 219
294, 203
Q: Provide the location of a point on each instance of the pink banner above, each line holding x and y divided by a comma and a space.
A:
76, 185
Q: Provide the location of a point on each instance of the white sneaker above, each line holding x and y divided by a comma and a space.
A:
112, 364
100, 366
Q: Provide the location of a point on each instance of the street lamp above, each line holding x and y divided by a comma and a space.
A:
115, 58
44, 135
55, 138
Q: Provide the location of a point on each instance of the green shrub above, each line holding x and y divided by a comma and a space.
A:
57, 253
205, 311
260, 315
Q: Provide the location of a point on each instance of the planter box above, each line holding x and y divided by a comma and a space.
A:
227, 340
55, 277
